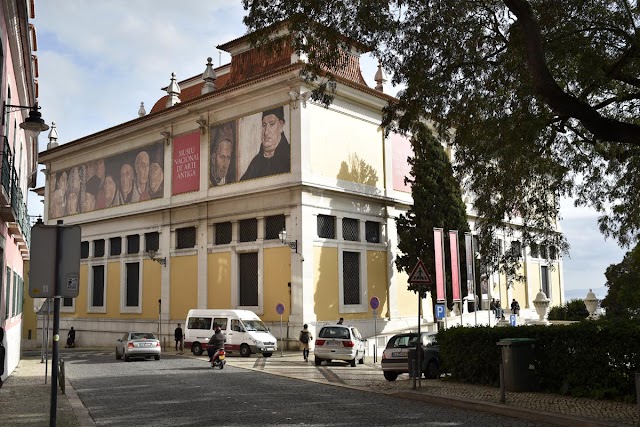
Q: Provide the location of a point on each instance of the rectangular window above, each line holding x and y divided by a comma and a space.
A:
535, 250
14, 308
98, 248
516, 248
544, 279
132, 296
351, 277
7, 299
84, 250
350, 229
273, 225
372, 231
185, 238
67, 302
553, 252
326, 226
115, 244
543, 252
97, 291
133, 244
220, 321
152, 241
223, 233
248, 230
248, 268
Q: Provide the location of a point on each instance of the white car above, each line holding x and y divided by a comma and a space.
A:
340, 342
144, 345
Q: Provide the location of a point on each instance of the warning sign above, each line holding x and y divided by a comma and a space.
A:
420, 274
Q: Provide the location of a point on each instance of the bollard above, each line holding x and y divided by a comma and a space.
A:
503, 399
61, 376
638, 394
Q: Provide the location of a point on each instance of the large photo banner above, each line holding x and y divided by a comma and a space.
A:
129, 177
186, 163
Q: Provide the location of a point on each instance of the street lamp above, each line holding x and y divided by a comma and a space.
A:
33, 124
152, 256
293, 244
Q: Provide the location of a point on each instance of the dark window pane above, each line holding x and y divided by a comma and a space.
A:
327, 226
133, 284
544, 277
97, 299
185, 238
248, 267
133, 244
67, 302
223, 233
351, 277
116, 245
543, 252
553, 252
98, 248
248, 230
84, 250
535, 252
152, 241
350, 229
273, 225
372, 231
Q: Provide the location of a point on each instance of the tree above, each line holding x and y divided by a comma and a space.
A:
539, 98
623, 281
437, 202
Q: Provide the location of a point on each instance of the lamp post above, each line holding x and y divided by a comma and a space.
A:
33, 124
293, 244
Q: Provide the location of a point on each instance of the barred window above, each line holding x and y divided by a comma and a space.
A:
351, 277
273, 225
133, 244
372, 231
327, 226
535, 250
350, 229
185, 238
97, 292
115, 244
152, 241
84, 250
98, 248
132, 294
248, 230
67, 302
223, 233
248, 268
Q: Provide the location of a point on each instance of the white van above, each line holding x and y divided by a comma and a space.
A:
245, 332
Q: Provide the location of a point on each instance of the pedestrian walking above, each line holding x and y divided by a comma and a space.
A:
179, 337
515, 307
340, 321
71, 338
305, 338
493, 307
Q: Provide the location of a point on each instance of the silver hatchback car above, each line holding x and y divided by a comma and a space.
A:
340, 342
138, 345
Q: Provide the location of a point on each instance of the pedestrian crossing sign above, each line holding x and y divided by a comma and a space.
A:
420, 274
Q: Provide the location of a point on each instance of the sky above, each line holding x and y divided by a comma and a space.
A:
99, 59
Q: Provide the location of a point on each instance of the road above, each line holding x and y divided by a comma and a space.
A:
185, 391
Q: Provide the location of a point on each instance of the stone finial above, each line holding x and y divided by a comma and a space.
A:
380, 78
141, 110
209, 77
174, 92
53, 136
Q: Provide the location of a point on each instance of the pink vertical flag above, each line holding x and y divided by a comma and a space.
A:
437, 246
455, 265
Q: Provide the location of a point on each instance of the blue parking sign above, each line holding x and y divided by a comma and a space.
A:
439, 311
512, 320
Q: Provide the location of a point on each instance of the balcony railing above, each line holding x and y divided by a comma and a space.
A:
14, 208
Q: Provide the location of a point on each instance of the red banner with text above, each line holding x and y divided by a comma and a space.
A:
437, 245
186, 163
455, 265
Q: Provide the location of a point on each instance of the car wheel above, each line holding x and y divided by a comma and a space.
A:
361, 361
157, 357
390, 376
352, 362
318, 361
267, 354
126, 358
433, 370
196, 349
245, 351
118, 357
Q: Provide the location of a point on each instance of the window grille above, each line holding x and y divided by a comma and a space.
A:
97, 295
248, 230
351, 277
115, 244
133, 284
84, 250
350, 229
535, 250
67, 302
248, 267
133, 244
327, 226
98, 248
152, 241
185, 238
372, 231
273, 225
223, 233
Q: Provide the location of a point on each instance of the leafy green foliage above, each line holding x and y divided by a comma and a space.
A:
623, 280
539, 93
574, 310
437, 202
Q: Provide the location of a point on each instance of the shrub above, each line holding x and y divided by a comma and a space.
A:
573, 310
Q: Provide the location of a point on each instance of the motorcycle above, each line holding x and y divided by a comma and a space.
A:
218, 360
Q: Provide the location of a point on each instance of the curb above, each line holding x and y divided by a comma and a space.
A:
79, 410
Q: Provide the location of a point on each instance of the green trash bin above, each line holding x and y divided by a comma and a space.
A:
518, 363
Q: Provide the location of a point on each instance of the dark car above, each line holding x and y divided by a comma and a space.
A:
396, 355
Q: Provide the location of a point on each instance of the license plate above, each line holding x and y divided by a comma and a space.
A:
400, 354
334, 343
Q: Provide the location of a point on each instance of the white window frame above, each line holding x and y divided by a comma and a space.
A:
363, 306
123, 285
90, 307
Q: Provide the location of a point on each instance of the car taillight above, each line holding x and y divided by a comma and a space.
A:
130, 345
158, 344
319, 342
384, 356
348, 343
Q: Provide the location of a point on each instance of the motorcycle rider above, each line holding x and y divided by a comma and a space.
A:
216, 343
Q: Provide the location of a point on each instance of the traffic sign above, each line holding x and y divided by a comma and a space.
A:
420, 274
280, 308
439, 311
374, 303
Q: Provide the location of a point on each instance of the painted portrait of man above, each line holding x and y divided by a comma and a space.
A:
222, 167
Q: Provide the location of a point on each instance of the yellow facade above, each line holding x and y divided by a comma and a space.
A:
184, 289
219, 280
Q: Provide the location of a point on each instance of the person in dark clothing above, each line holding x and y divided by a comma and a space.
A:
216, 342
515, 307
274, 156
305, 338
71, 338
179, 336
